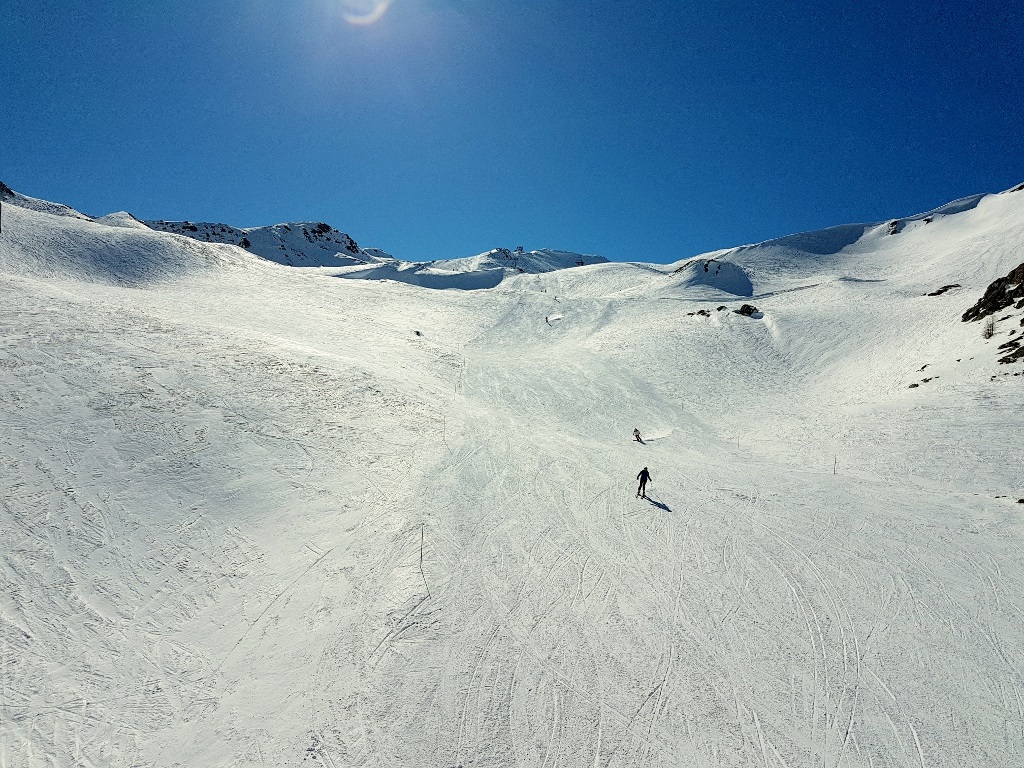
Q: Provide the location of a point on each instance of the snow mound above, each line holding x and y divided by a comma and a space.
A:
9, 196
42, 244
121, 219
962, 205
295, 244
722, 275
483, 271
824, 242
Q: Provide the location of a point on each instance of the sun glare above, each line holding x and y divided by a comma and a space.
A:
363, 12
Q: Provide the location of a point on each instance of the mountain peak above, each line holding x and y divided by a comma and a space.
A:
298, 244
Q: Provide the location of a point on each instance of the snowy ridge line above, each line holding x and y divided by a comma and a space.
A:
10, 197
484, 271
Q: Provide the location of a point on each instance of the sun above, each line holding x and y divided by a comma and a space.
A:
364, 12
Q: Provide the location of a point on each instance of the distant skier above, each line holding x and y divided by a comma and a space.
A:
643, 477
636, 435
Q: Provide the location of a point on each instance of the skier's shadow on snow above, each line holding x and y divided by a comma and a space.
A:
658, 504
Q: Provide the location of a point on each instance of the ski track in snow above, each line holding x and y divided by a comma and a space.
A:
252, 517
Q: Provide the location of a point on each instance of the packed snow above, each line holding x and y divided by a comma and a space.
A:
255, 514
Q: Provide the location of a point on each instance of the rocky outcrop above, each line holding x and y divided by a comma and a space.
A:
999, 295
1014, 350
298, 244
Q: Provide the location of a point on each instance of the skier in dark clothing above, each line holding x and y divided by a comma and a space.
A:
643, 477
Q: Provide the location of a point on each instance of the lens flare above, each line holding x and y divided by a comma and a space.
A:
363, 12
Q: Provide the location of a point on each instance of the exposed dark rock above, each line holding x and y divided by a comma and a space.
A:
721, 308
707, 266
747, 309
1016, 354
1000, 294
943, 289
1014, 349
912, 386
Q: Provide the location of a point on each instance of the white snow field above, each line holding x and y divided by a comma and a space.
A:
260, 515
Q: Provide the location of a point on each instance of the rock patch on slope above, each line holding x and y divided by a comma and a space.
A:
999, 295
296, 244
1002, 293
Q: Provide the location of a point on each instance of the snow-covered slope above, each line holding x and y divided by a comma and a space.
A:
255, 515
42, 240
10, 197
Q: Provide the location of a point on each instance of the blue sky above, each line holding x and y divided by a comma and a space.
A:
646, 131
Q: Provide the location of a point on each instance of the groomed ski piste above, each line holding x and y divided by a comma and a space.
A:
261, 515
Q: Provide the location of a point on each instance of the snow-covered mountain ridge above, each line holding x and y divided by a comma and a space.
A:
317, 244
300, 244
260, 515
9, 196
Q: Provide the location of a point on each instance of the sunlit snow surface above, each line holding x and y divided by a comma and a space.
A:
261, 515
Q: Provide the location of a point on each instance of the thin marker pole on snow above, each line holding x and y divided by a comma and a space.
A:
423, 575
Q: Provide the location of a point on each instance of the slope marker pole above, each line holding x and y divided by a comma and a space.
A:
423, 575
